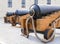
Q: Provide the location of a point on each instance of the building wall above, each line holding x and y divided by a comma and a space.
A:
42, 2
3, 7
55, 2
17, 5
29, 3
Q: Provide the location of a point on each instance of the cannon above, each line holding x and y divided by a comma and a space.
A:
43, 19
13, 17
8, 17
19, 14
40, 11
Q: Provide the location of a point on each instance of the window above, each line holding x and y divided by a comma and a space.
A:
48, 1
23, 3
35, 1
9, 3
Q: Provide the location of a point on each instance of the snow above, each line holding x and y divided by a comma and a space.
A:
12, 35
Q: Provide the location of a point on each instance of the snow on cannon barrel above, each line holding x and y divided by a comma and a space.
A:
43, 10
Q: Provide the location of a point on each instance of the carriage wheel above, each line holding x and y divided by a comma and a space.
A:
49, 34
5, 19
24, 33
13, 21
13, 24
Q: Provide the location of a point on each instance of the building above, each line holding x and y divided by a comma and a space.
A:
48, 2
21, 4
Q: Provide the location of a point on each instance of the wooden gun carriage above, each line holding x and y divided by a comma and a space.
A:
18, 13
8, 17
13, 17
43, 19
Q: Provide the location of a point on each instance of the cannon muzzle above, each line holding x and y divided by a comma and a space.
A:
42, 10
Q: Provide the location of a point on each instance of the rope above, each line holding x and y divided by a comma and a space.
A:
44, 40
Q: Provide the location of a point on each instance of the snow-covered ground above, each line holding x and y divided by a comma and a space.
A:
12, 35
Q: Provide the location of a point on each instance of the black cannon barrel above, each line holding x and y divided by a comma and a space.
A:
21, 12
10, 13
43, 10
